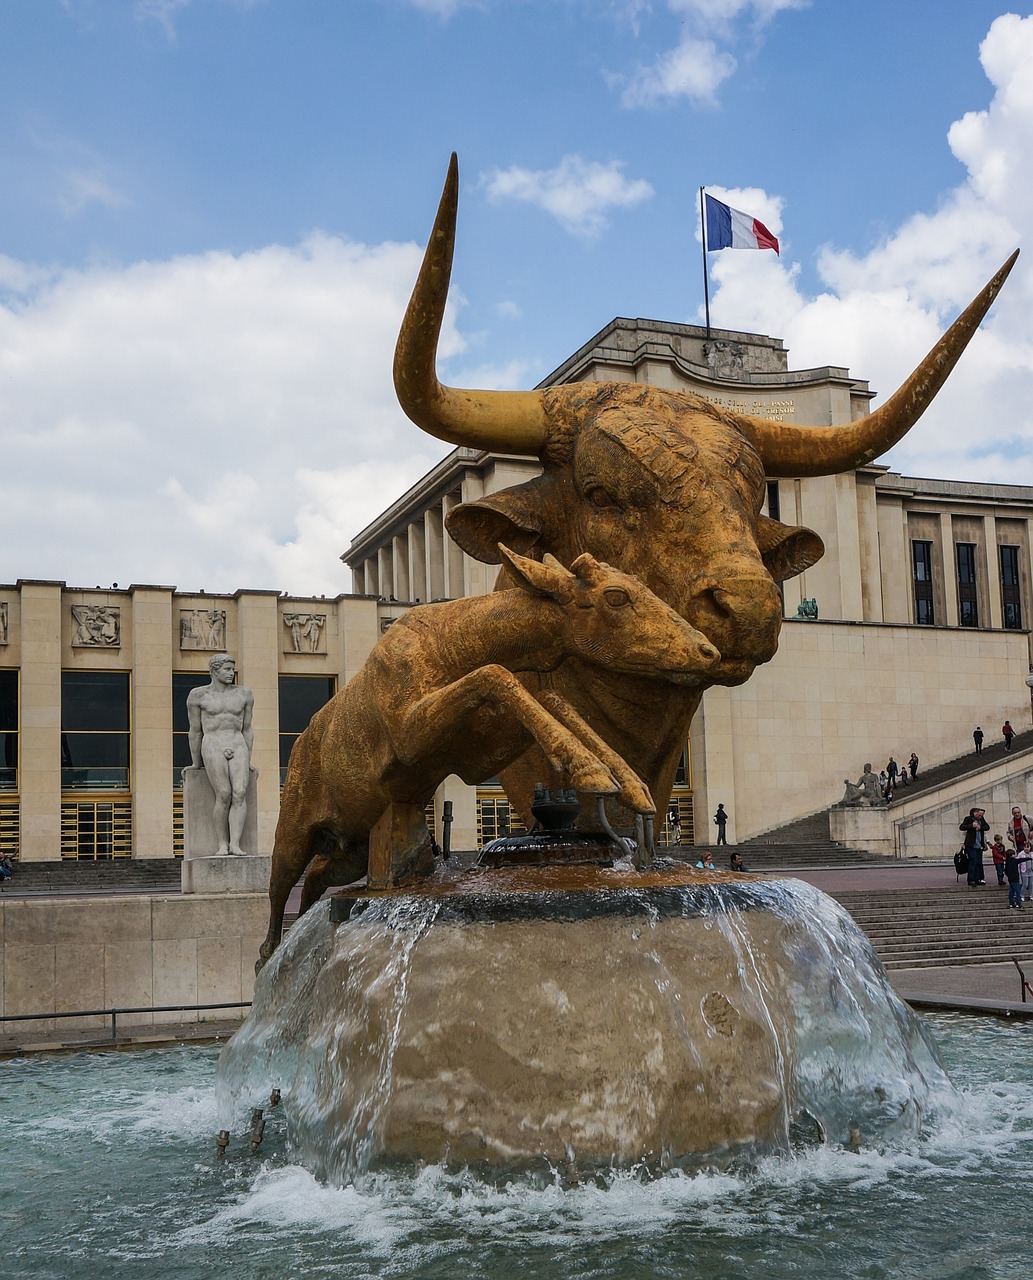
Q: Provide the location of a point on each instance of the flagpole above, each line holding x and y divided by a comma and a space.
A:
706, 283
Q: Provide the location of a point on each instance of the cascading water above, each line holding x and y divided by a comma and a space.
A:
604, 1016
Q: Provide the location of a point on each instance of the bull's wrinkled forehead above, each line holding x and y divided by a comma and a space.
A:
676, 440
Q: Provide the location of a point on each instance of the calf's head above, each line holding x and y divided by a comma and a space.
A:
612, 620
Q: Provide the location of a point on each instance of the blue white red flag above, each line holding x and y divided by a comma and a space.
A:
729, 228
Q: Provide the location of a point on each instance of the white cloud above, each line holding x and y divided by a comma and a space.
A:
578, 192
213, 421
696, 67
883, 310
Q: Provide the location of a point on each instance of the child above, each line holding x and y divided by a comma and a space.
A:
999, 854
1011, 870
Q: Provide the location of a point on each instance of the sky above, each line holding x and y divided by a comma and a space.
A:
212, 213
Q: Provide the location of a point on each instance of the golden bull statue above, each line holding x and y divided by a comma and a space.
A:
663, 486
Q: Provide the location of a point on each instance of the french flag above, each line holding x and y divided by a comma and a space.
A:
729, 228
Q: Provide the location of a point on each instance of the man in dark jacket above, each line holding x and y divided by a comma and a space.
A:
975, 827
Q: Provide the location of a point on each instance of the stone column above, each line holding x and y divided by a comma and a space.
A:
950, 568
39, 771
258, 650
464, 813
151, 741
992, 568
713, 766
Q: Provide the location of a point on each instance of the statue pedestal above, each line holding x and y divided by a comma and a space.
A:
203, 870
249, 874
862, 828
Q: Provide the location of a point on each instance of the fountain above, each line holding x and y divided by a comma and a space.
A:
577, 1004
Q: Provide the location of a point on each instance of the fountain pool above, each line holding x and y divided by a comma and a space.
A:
109, 1170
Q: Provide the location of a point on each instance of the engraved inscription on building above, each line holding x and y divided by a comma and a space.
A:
96, 626
3, 621
202, 629
776, 410
305, 632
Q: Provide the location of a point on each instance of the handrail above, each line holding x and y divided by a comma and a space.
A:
113, 1013
1022, 979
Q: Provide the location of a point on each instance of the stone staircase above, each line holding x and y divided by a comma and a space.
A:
806, 842
761, 854
121, 875
927, 928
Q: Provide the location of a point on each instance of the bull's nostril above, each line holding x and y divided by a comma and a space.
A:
722, 602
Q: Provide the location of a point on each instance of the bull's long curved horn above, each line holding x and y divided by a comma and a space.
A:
506, 421
824, 451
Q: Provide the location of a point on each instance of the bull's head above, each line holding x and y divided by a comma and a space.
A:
663, 484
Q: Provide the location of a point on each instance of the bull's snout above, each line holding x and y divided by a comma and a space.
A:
741, 615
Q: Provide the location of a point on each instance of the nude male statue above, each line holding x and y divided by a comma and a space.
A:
221, 739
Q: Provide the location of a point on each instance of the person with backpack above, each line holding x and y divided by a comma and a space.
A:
975, 827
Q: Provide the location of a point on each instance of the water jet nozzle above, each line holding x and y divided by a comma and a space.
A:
257, 1129
222, 1141
274, 1098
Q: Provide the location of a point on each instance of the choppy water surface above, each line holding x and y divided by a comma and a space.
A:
107, 1169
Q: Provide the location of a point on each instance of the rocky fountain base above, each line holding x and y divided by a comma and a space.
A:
579, 1013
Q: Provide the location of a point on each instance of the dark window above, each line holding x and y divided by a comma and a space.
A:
182, 683
681, 774
95, 730
300, 699
1011, 596
773, 508
968, 605
8, 730
922, 576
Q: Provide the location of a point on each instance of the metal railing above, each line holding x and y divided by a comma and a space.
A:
1025, 987
113, 1014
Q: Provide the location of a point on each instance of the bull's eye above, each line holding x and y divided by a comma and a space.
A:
616, 597
600, 497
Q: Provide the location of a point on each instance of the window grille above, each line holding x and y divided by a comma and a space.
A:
96, 830
10, 827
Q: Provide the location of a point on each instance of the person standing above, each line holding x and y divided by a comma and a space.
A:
674, 823
1008, 733
904, 780
1025, 861
999, 854
975, 827
912, 764
1011, 870
1020, 836
721, 818
892, 771
977, 738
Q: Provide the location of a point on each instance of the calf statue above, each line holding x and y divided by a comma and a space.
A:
662, 484
438, 695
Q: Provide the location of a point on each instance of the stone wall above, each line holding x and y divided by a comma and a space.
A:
838, 694
63, 954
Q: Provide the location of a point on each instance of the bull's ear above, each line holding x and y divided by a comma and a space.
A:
546, 579
787, 549
513, 516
